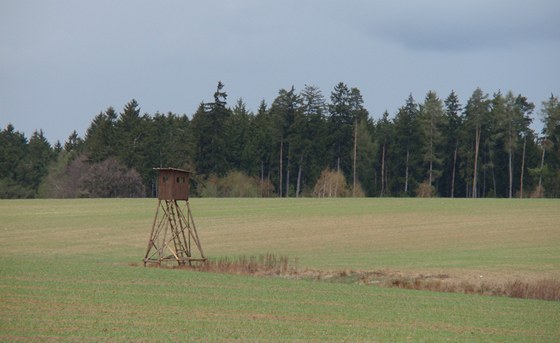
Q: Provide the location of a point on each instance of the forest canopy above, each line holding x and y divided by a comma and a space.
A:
303, 144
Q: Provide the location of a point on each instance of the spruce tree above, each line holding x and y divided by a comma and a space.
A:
384, 130
100, 139
315, 153
407, 148
209, 135
431, 119
550, 112
452, 133
476, 112
284, 110
341, 125
527, 135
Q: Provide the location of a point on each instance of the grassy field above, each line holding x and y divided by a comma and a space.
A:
66, 271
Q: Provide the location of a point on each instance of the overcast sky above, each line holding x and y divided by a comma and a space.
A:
63, 62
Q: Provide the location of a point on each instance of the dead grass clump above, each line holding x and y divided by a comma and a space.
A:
436, 284
545, 289
273, 265
267, 264
427, 284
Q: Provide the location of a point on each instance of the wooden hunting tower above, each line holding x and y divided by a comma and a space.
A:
173, 230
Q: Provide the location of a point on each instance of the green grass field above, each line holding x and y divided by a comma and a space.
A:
67, 271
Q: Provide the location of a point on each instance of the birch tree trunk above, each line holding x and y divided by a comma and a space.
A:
522, 167
431, 160
431, 150
430, 177
383, 171
406, 171
476, 146
288, 174
510, 171
454, 164
262, 177
337, 170
280, 178
299, 177
354, 162
542, 166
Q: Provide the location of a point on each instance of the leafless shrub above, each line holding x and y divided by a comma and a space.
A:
266, 188
76, 177
235, 184
63, 180
425, 190
330, 184
110, 178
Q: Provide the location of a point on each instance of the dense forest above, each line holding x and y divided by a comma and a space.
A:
303, 144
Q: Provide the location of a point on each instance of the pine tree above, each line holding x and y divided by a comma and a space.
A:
285, 109
407, 147
73, 143
454, 122
100, 138
431, 121
550, 112
525, 108
262, 143
13, 149
169, 141
360, 117
40, 155
341, 124
238, 133
314, 137
384, 137
14, 164
129, 134
513, 125
493, 163
476, 113
365, 159
209, 134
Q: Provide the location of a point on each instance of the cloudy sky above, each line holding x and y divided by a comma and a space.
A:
64, 61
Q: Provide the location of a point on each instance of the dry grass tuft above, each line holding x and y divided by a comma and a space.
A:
267, 264
273, 265
545, 289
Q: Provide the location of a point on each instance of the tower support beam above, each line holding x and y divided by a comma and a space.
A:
173, 229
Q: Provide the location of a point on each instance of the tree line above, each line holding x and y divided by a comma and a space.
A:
303, 144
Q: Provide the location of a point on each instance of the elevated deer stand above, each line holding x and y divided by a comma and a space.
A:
173, 230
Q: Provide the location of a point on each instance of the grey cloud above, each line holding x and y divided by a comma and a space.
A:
468, 25
64, 61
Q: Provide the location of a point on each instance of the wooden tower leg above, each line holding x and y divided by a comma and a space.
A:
171, 235
151, 240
